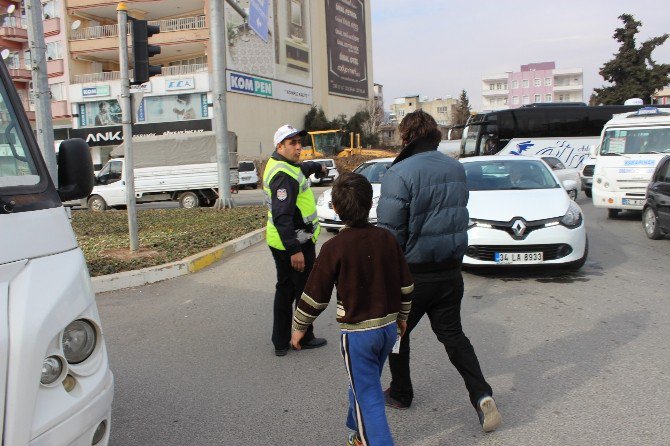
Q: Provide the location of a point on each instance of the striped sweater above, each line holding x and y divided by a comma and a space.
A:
373, 281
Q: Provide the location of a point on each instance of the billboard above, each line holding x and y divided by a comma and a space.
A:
279, 48
347, 48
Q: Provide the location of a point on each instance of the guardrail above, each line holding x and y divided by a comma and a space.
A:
114, 75
14, 22
169, 25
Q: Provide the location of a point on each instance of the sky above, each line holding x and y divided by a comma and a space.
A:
437, 48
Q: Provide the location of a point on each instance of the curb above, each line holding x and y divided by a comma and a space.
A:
144, 276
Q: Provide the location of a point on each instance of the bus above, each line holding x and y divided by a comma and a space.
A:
566, 131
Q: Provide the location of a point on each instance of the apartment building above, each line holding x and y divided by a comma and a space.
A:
441, 109
533, 83
16, 54
312, 53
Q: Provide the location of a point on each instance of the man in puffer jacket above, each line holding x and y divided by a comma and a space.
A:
423, 203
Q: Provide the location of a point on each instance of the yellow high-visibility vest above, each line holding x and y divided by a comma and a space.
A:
305, 201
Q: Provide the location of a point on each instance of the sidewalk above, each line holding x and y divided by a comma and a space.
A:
127, 279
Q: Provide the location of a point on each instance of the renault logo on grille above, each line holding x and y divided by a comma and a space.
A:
519, 227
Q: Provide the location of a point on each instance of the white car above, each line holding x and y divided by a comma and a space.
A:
564, 173
521, 215
248, 174
331, 174
374, 171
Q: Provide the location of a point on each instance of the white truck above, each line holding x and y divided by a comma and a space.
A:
179, 168
631, 146
56, 387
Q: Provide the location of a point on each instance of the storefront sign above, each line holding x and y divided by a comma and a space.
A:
180, 84
97, 91
268, 88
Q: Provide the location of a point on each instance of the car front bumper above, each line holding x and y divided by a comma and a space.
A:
554, 242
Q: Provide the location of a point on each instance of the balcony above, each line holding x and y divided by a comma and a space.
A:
488, 93
55, 67
114, 75
51, 27
104, 39
568, 87
29, 108
14, 28
60, 109
20, 74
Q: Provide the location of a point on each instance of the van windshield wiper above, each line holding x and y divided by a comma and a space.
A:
650, 151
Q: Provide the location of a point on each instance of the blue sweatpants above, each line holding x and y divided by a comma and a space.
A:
364, 354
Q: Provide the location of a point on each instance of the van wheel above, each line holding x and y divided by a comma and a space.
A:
97, 203
613, 213
189, 200
587, 192
650, 224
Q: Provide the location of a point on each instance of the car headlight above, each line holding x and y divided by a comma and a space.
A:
572, 218
52, 367
322, 200
79, 339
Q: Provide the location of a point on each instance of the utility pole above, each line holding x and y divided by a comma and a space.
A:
126, 123
216, 30
41, 92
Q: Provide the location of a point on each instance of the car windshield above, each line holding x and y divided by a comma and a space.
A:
246, 167
374, 172
636, 141
17, 167
508, 175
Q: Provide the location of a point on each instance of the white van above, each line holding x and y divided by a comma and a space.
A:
55, 384
248, 174
631, 146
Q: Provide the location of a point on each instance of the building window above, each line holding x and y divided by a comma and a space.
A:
515, 100
499, 101
547, 82
57, 91
505, 86
538, 98
51, 9
499, 86
27, 61
505, 101
525, 100
525, 83
515, 84
54, 51
492, 86
547, 98
538, 82
199, 60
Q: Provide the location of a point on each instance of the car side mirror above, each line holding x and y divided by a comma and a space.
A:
569, 185
75, 170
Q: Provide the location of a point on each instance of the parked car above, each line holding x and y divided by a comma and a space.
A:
564, 173
520, 214
656, 212
374, 171
248, 174
586, 173
330, 176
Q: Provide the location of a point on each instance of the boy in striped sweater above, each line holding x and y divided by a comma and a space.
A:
373, 283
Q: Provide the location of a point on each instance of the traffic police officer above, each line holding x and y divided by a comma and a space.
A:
291, 232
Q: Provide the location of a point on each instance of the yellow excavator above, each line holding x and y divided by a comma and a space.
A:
327, 144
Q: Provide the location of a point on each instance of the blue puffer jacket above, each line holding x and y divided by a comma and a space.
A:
423, 203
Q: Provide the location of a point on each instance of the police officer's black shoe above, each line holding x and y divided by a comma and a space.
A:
314, 343
281, 351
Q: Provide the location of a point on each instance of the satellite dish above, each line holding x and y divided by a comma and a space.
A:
4, 53
11, 9
76, 24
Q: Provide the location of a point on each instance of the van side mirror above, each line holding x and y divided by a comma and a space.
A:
75, 170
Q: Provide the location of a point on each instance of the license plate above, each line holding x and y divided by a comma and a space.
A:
632, 202
506, 258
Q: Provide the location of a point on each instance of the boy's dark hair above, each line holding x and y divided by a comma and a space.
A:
419, 124
352, 198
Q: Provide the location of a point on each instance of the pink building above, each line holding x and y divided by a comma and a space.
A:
534, 83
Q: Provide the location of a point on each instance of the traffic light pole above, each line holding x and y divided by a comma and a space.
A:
216, 30
126, 123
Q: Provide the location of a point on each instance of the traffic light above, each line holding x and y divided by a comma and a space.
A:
142, 51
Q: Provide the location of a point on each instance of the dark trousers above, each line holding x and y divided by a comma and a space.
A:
290, 284
441, 301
